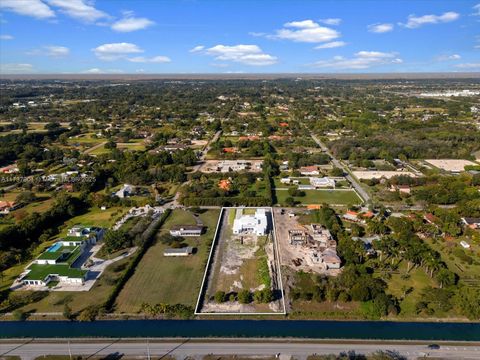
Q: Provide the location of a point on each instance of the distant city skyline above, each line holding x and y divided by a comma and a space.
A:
142, 37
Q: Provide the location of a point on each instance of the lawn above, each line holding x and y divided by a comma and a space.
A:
417, 279
132, 146
450, 250
97, 217
334, 197
78, 300
171, 280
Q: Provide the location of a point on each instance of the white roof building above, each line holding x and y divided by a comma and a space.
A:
322, 182
256, 224
125, 191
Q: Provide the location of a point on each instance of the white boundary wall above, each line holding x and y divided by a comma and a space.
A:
209, 264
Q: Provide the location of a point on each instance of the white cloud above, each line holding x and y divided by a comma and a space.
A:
56, 51
331, 45
102, 71
468, 66
79, 9
380, 28
417, 21
244, 54
93, 71
115, 51
33, 8
477, 10
306, 31
130, 23
331, 21
197, 48
257, 34
361, 60
448, 57
16, 68
155, 59
6, 37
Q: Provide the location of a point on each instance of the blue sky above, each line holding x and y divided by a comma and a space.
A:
149, 36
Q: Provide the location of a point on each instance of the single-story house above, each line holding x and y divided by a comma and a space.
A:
351, 216
125, 191
185, 251
186, 230
309, 170
324, 182
472, 223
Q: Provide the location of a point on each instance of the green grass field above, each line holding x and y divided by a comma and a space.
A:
160, 279
97, 217
340, 197
397, 285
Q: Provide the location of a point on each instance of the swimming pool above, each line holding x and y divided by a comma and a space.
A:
54, 247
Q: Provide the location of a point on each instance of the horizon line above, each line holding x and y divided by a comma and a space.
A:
198, 76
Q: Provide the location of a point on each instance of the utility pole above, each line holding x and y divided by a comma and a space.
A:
148, 350
69, 350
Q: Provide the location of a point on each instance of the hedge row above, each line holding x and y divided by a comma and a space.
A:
226, 201
149, 237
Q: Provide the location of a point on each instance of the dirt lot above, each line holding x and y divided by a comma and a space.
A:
290, 254
451, 165
236, 266
212, 166
375, 174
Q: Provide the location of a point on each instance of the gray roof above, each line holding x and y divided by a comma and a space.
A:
184, 250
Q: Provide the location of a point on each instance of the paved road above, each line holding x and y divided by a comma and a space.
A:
206, 150
93, 148
365, 196
181, 349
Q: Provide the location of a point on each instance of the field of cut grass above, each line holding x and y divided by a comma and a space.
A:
417, 280
340, 197
96, 217
171, 280
137, 145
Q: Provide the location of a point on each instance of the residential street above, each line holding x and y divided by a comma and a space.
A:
363, 194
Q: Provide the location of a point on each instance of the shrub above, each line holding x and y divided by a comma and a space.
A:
220, 297
245, 297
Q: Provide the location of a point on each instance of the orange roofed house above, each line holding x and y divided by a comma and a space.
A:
224, 184
230, 150
351, 216
250, 138
7, 206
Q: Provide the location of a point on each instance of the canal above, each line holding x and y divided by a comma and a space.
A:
243, 328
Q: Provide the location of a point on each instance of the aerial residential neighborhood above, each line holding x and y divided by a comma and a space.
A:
251, 180
281, 226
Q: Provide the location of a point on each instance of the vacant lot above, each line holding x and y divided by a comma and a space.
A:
341, 197
242, 261
171, 280
97, 217
451, 165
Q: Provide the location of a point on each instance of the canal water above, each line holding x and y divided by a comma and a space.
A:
243, 328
